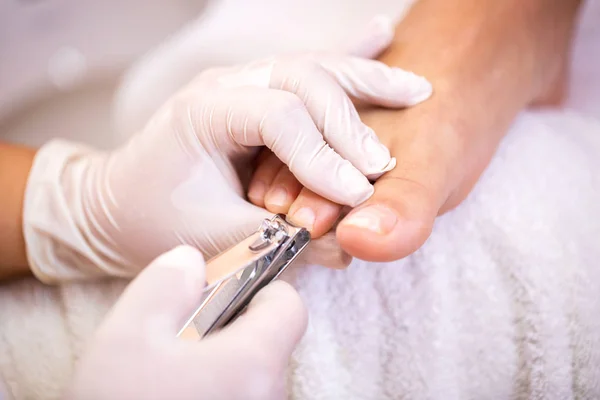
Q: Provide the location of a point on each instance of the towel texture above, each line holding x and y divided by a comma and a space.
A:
502, 302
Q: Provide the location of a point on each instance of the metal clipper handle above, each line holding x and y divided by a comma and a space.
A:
235, 276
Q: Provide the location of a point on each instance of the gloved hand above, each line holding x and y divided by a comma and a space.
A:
135, 353
198, 46
181, 179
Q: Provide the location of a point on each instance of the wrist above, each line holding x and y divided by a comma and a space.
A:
15, 164
61, 240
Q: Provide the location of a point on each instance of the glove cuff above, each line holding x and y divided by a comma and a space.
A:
58, 250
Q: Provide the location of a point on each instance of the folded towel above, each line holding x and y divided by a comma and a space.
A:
502, 302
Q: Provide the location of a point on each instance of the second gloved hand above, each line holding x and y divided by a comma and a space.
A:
181, 180
135, 353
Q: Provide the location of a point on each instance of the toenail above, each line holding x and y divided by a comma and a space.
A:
377, 219
304, 217
257, 191
277, 197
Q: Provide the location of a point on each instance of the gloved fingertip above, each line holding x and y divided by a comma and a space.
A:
421, 91
162, 297
362, 197
410, 88
354, 186
184, 258
376, 175
383, 25
377, 155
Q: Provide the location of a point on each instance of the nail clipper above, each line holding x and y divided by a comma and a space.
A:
235, 276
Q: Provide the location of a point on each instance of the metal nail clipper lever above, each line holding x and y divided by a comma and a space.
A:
235, 276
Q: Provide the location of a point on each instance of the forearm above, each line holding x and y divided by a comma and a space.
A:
513, 48
15, 163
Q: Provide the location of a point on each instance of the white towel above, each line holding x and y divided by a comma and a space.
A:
502, 301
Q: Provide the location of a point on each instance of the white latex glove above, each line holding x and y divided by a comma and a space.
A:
178, 60
136, 355
181, 179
